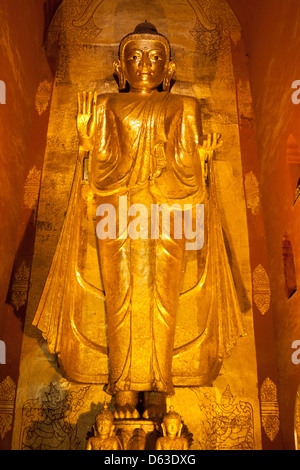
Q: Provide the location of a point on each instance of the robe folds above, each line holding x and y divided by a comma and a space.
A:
171, 314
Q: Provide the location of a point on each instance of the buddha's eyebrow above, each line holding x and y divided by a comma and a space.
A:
134, 49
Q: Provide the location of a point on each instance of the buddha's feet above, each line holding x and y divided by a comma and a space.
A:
152, 405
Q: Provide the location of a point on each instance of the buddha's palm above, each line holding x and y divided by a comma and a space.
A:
86, 119
212, 142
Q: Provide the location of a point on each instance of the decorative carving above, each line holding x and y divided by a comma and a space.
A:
73, 26
85, 24
20, 285
208, 41
31, 188
43, 96
137, 434
202, 17
7, 399
209, 33
51, 423
252, 193
227, 424
269, 408
77, 19
261, 289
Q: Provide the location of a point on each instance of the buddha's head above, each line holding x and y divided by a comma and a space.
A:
172, 424
144, 60
104, 422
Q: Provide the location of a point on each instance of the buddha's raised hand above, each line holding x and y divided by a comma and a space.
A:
212, 142
86, 119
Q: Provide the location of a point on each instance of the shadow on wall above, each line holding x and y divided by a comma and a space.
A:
17, 294
50, 7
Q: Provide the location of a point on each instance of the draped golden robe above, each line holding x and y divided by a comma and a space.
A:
147, 148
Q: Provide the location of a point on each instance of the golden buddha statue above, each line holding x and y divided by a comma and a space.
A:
104, 428
146, 149
172, 427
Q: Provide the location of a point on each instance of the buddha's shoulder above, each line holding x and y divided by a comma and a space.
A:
184, 101
105, 98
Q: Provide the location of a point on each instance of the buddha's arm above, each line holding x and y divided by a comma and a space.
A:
115, 445
158, 444
88, 445
210, 143
186, 445
205, 144
192, 137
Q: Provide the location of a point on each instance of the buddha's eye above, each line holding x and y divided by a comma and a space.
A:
156, 57
135, 57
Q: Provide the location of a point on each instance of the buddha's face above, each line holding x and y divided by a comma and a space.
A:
172, 426
145, 64
104, 427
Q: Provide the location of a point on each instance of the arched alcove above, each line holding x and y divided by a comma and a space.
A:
87, 34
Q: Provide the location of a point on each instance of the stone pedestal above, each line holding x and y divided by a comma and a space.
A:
137, 434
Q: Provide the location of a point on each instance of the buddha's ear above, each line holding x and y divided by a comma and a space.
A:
171, 68
164, 429
169, 74
120, 73
180, 429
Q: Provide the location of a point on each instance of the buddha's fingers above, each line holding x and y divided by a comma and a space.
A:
89, 106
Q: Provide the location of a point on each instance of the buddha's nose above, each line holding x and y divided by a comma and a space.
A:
145, 63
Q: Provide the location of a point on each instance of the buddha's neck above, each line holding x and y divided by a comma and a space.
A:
143, 92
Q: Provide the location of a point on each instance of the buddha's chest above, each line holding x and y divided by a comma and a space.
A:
143, 120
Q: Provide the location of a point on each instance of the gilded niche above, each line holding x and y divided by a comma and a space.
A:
139, 149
